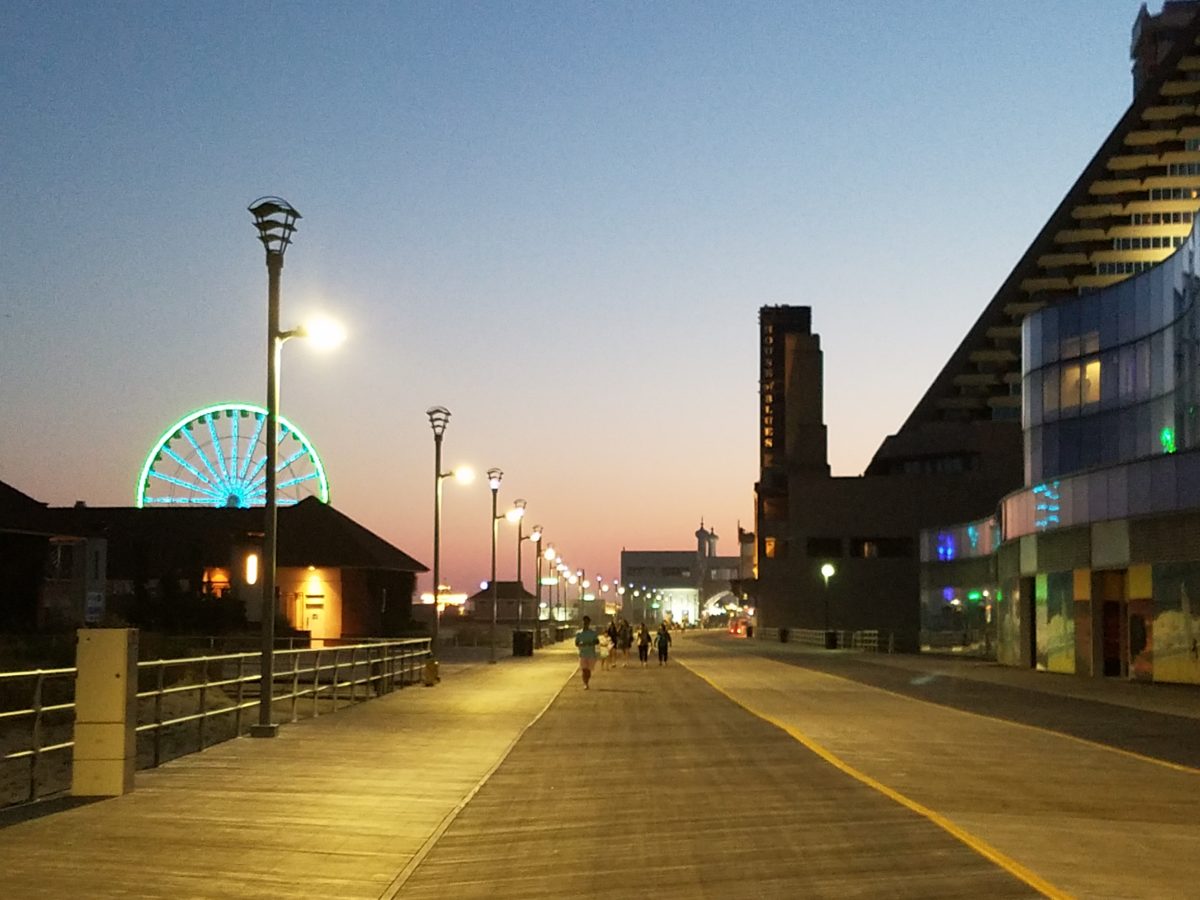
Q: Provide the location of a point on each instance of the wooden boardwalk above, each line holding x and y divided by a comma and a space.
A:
727, 774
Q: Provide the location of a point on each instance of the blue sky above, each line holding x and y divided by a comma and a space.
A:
557, 219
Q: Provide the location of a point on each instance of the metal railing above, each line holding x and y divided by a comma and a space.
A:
815, 637
185, 705
47, 723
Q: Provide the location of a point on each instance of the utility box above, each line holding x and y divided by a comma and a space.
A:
105, 712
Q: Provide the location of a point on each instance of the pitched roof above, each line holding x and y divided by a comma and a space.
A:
505, 590
310, 533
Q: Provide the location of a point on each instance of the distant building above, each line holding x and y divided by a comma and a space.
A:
514, 604
689, 583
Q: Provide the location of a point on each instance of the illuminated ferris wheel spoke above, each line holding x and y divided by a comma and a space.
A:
226, 466
201, 455
292, 482
251, 444
179, 482
291, 459
187, 465
216, 445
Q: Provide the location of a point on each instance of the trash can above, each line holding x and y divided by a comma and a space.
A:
831, 640
749, 631
522, 643
783, 635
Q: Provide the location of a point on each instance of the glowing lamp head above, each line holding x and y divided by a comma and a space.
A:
464, 474
322, 333
828, 571
251, 568
483, 585
536, 534
550, 554
494, 476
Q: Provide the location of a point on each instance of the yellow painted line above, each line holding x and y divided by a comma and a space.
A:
981, 847
1095, 745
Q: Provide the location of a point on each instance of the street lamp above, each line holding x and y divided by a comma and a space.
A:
536, 537
494, 476
275, 220
827, 572
439, 417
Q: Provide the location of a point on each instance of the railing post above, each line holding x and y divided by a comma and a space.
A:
336, 654
240, 689
158, 696
203, 701
36, 735
295, 685
316, 684
105, 712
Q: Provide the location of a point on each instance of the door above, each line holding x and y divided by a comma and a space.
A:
1112, 628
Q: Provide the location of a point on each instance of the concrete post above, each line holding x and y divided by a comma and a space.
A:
105, 712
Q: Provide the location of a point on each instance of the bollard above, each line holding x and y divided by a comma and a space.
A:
105, 712
431, 673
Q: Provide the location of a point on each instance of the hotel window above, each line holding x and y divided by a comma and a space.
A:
1091, 381
1069, 384
825, 547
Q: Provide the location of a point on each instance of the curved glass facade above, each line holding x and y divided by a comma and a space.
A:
1110, 393
1110, 377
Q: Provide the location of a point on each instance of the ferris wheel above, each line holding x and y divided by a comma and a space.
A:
217, 457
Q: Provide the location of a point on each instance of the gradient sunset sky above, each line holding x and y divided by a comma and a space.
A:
557, 219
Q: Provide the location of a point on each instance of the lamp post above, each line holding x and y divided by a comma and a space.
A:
517, 515
275, 220
536, 537
439, 417
827, 572
494, 476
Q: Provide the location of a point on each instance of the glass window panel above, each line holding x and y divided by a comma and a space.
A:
1143, 301
1187, 481
1142, 375
1139, 489
1069, 459
1050, 393
1049, 456
1049, 318
1089, 442
1147, 438
1118, 492
1109, 371
1068, 329
1031, 343
1031, 400
1089, 324
1109, 331
1128, 433
1097, 490
1069, 386
1162, 484
1110, 437
1156, 290
1155, 363
1033, 450
1125, 321
1090, 388
1127, 378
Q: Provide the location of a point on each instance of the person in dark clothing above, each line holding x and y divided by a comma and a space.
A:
662, 641
643, 642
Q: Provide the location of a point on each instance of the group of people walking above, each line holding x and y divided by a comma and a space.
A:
614, 643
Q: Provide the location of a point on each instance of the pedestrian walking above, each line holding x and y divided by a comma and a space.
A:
662, 641
624, 641
587, 640
643, 642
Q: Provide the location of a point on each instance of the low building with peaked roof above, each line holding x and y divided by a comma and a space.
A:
174, 568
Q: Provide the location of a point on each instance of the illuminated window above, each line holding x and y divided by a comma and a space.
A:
1091, 382
1070, 381
769, 547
